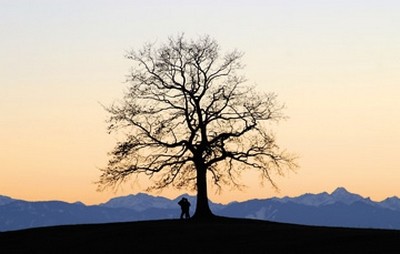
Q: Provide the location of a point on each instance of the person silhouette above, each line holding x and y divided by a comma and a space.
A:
185, 205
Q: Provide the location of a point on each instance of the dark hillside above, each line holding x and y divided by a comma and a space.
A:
224, 235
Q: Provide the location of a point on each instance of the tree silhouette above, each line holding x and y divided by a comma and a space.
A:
187, 114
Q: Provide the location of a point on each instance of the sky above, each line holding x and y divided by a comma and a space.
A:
335, 64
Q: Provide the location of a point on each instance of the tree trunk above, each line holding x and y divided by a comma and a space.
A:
203, 211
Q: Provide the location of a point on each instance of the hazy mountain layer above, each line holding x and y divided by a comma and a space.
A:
339, 208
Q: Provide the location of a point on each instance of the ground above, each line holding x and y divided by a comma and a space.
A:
223, 235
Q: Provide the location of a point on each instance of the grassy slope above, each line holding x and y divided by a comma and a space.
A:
221, 236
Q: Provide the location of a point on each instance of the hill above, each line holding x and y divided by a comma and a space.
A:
223, 235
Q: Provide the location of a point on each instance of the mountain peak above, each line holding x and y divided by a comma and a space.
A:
5, 200
340, 191
342, 195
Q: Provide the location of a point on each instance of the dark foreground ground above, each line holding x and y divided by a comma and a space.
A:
220, 236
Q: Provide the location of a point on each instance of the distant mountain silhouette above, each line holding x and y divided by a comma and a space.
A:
5, 200
340, 208
141, 202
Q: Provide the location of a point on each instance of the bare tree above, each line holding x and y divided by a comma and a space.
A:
187, 112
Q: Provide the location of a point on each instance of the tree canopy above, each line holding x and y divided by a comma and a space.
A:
189, 116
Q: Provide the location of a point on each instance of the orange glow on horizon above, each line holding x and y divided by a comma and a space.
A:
334, 64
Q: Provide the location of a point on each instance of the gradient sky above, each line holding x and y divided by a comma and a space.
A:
334, 63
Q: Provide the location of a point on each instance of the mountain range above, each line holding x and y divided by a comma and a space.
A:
337, 209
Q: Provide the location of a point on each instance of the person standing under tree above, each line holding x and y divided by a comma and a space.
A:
185, 205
